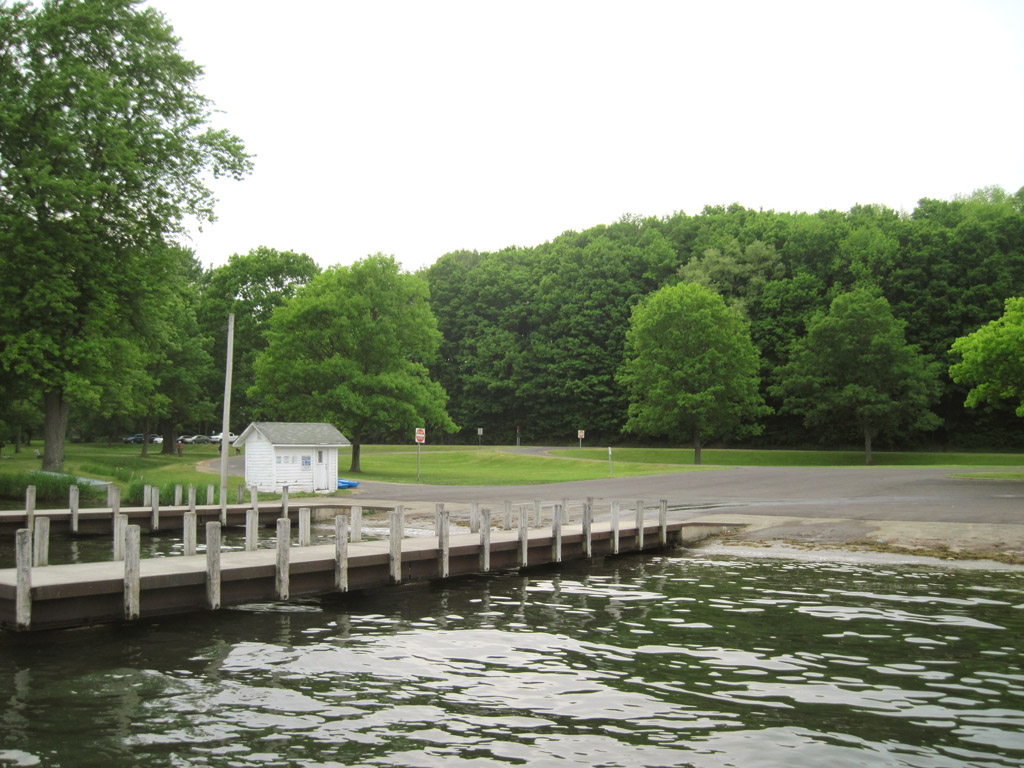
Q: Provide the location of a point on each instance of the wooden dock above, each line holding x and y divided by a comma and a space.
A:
81, 594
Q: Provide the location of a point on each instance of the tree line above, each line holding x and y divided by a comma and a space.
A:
778, 329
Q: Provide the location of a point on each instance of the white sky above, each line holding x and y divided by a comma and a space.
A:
419, 128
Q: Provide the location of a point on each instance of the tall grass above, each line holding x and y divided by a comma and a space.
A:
50, 487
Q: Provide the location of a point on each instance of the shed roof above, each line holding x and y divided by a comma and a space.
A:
295, 433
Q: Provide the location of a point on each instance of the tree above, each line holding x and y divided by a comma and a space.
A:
106, 147
854, 370
690, 368
352, 347
992, 359
251, 285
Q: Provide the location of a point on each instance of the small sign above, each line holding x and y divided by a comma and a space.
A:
580, 434
421, 435
479, 431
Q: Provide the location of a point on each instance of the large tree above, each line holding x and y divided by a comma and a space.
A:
351, 348
854, 371
105, 147
992, 360
691, 370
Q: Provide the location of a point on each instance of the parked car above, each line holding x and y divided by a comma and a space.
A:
156, 438
200, 439
216, 438
136, 438
186, 439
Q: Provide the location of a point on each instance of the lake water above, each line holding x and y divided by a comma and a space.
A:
686, 659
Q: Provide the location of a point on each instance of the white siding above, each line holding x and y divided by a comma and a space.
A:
259, 463
294, 468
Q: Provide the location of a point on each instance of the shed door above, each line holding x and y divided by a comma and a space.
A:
320, 471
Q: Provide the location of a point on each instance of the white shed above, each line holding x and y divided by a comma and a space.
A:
303, 456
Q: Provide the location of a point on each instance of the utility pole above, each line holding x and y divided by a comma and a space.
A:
225, 449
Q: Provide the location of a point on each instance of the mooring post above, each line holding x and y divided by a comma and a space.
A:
177, 495
188, 523
120, 526
524, 535
254, 498
284, 507
252, 525
284, 540
438, 509
191, 497
23, 562
663, 523
115, 500
565, 511
485, 540
341, 553
615, 527
506, 517
537, 513
210, 495
41, 542
154, 513
443, 543
639, 523
304, 524
132, 563
556, 534
240, 497
397, 531
474, 516
213, 565
588, 520
73, 504
357, 524
145, 494
110, 495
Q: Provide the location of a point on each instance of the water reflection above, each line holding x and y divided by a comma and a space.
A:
633, 662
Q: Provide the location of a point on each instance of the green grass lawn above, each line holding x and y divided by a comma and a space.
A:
473, 465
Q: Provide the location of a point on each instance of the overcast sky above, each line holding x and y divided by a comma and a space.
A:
420, 128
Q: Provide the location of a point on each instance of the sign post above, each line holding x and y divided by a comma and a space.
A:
479, 435
580, 436
421, 436
609, 461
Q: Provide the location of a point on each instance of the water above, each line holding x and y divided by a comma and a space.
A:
681, 660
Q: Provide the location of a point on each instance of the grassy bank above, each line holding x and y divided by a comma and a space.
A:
779, 458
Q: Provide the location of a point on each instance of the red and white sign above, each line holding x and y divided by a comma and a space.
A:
580, 434
421, 435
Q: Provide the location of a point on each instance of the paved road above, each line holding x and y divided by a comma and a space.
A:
914, 494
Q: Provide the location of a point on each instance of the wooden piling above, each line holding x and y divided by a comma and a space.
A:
115, 500
474, 516
132, 564
154, 510
209, 495
506, 518
640, 524
252, 525
120, 526
615, 527
663, 523
305, 536
357, 525
23, 563
443, 543
145, 494
438, 509
524, 536
73, 504
254, 497
588, 521
41, 542
341, 553
177, 495
536, 513
485, 540
556, 534
282, 573
213, 565
565, 511
397, 532
284, 510
240, 497
188, 524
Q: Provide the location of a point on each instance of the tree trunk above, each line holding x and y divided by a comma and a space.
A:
55, 429
170, 446
355, 457
17, 440
867, 445
696, 448
145, 437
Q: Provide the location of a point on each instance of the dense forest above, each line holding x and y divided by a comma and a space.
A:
533, 337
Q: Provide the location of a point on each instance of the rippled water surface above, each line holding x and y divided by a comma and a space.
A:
679, 660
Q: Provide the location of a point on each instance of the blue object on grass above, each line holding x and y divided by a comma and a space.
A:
342, 484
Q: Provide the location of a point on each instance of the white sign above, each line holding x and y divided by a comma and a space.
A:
580, 434
421, 435
479, 430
